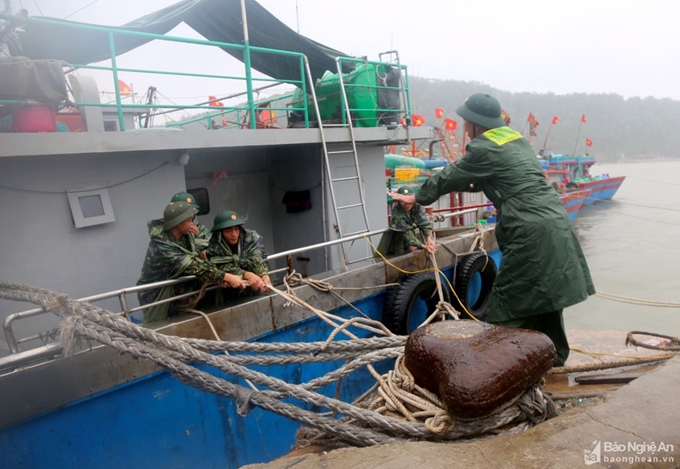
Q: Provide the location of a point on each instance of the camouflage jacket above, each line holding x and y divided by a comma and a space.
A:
201, 239
407, 223
170, 258
250, 254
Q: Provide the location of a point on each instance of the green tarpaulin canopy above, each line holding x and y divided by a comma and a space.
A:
216, 20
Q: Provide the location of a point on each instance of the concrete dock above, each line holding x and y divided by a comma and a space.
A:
636, 426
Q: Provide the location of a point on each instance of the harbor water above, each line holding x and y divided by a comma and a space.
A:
631, 244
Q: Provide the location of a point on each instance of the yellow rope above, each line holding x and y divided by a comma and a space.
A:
421, 271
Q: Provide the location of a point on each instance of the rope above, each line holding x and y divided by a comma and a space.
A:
425, 416
443, 308
532, 407
606, 366
637, 301
293, 279
668, 344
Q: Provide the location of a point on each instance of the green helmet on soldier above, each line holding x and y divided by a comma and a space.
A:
227, 219
175, 213
185, 197
482, 109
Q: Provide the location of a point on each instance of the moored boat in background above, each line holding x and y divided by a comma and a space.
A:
574, 201
576, 173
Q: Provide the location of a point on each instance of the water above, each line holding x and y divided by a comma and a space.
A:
632, 251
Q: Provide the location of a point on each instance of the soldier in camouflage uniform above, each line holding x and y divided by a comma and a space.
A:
406, 218
172, 253
200, 231
238, 250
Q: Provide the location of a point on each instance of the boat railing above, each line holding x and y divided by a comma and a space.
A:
214, 112
47, 350
120, 106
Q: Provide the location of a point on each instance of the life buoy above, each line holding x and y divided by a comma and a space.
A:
408, 304
474, 280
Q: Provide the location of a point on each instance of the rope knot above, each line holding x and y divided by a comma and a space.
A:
403, 376
440, 424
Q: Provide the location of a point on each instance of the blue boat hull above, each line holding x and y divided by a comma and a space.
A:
157, 421
602, 189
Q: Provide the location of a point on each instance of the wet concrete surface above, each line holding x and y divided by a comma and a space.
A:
635, 426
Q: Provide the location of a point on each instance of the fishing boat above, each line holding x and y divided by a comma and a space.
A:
310, 182
574, 201
84, 194
576, 173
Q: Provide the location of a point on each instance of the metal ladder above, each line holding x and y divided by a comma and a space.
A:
335, 179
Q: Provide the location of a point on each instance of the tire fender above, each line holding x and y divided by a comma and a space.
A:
477, 272
396, 314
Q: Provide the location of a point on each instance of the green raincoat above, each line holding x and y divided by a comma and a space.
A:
543, 268
170, 258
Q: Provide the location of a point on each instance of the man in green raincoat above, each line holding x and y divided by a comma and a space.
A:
238, 250
543, 269
172, 253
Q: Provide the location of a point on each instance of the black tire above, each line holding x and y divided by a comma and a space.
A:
413, 290
571, 185
475, 275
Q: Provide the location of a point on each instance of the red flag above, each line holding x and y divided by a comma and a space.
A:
417, 120
214, 102
589, 142
438, 112
533, 123
124, 89
583, 118
505, 116
555, 120
450, 124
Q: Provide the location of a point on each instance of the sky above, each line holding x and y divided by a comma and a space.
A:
627, 47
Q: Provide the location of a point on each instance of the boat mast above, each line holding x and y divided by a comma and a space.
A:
246, 61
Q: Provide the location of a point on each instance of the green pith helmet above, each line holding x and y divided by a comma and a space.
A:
482, 109
408, 190
185, 197
226, 219
175, 213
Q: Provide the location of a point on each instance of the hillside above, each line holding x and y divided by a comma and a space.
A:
620, 129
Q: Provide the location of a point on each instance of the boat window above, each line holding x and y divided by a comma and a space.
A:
91, 208
202, 199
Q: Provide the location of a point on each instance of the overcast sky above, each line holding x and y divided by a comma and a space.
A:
627, 47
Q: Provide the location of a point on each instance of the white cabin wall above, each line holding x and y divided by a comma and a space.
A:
244, 190
40, 244
256, 183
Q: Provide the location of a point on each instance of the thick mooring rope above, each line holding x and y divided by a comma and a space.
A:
360, 426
